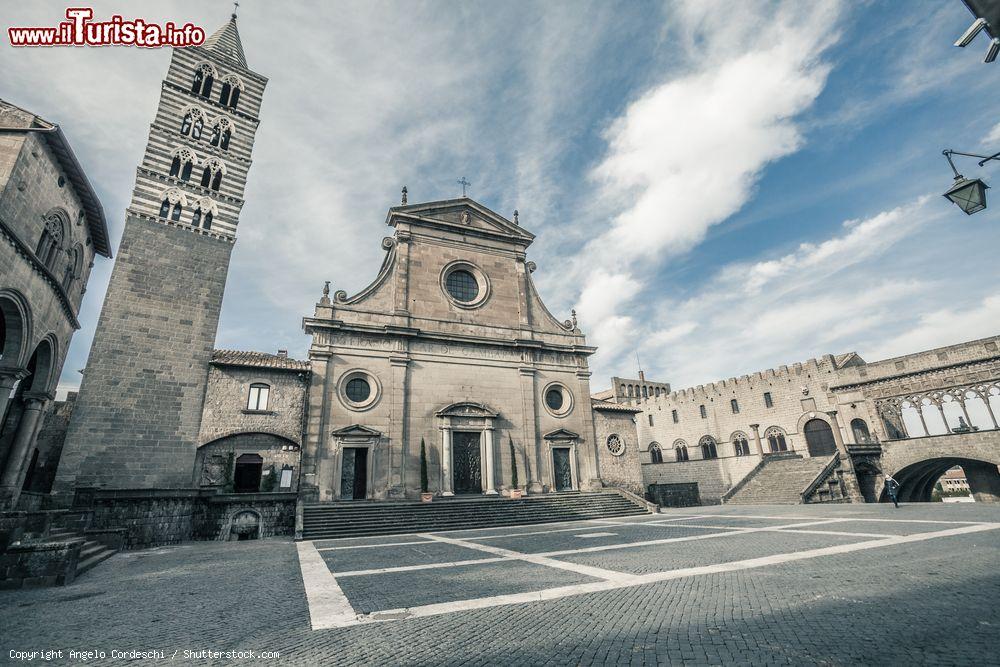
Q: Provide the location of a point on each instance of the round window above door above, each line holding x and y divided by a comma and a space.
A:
557, 399
359, 389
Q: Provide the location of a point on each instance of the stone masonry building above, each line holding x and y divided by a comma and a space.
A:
52, 228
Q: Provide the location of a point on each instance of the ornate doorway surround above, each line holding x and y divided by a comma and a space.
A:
466, 417
566, 443
357, 437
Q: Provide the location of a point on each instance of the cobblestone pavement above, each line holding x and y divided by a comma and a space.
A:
715, 585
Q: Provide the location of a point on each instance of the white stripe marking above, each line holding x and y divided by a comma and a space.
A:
372, 546
640, 580
328, 606
587, 535
538, 559
412, 568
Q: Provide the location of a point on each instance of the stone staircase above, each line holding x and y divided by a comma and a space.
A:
364, 518
779, 480
92, 552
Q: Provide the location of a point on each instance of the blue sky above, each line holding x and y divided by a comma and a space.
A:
720, 187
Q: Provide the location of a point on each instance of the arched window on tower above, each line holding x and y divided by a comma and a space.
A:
186, 171
176, 214
175, 166
217, 181
67, 280
655, 453
196, 217
165, 208
199, 76
234, 98
206, 177
224, 93
226, 135
206, 88
197, 128
680, 451
741, 446
186, 123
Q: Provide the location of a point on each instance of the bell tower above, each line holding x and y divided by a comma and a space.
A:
139, 408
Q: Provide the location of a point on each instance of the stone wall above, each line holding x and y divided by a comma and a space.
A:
34, 565
714, 477
622, 471
225, 409
137, 418
51, 438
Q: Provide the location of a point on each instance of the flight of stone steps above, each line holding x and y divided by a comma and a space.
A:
363, 518
91, 553
780, 481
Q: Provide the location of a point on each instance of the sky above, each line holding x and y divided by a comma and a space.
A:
716, 187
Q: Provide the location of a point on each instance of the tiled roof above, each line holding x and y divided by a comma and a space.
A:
613, 407
257, 360
602, 395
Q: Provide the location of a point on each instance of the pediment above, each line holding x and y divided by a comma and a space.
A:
561, 434
461, 215
467, 409
356, 431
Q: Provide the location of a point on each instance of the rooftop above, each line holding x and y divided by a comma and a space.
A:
252, 359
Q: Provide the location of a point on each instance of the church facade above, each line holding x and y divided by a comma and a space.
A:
449, 351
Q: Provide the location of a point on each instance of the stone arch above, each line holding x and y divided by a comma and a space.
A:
860, 431
42, 363
917, 480
242, 524
215, 461
15, 328
777, 440
655, 452
819, 437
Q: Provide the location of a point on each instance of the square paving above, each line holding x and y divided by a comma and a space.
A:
745, 585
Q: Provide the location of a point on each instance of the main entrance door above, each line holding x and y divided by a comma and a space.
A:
467, 462
354, 474
562, 470
819, 438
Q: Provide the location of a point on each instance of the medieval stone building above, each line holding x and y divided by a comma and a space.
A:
52, 228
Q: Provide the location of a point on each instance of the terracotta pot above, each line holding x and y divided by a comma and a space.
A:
515, 494
426, 497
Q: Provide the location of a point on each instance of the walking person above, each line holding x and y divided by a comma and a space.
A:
892, 488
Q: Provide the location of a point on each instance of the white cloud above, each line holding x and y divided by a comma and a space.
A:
945, 327
994, 136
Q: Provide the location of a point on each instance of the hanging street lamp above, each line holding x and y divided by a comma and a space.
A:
969, 194
987, 13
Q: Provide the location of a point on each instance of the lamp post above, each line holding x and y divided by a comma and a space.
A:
969, 194
987, 13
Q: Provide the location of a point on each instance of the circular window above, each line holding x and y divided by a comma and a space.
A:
616, 445
358, 390
462, 286
554, 398
557, 399
465, 285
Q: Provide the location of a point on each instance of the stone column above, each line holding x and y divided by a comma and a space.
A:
489, 464
756, 439
838, 437
532, 450
446, 461
23, 440
7, 382
398, 435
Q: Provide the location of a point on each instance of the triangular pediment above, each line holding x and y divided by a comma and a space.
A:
467, 409
459, 215
356, 431
561, 434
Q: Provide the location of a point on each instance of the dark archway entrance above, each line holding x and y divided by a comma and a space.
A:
859, 428
819, 438
354, 474
247, 474
468, 462
917, 481
562, 469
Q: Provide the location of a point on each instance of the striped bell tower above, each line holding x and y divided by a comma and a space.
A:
137, 416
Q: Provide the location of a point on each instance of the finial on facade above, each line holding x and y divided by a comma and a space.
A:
236, 6
404, 194
515, 217
326, 293
464, 183
572, 313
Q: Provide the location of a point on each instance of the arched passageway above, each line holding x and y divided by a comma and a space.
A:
916, 481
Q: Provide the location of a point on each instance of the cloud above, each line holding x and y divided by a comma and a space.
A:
941, 327
994, 136
687, 153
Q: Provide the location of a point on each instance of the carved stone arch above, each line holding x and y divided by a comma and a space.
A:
214, 164
195, 112
224, 122
739, 435
207, 205
185, 154
17, 328
234, 81
467, 409
207, 68
680, 442
45, 357
174, 196
216, 437
809, 416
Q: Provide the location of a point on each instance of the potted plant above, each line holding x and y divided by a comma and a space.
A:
425, 496
515, 492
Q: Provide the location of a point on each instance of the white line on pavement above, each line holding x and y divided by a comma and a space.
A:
640, 580
537, 559
411, 568
328, 606
372, 546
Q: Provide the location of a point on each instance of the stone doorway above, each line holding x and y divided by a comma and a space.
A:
562, 469
468, 462
247, 474
354, 474
819, 438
